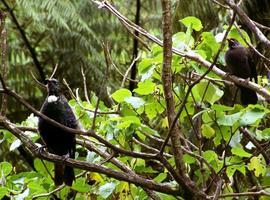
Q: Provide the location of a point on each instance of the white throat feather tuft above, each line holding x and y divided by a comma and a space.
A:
52, 98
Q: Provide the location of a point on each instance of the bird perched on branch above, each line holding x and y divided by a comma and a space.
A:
240, 63
57, 140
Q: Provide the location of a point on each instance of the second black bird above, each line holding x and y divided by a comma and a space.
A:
57, 140
240, 63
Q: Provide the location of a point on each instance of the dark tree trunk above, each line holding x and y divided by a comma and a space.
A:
135, 47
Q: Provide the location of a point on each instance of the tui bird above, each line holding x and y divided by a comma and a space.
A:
57, 140
240, 63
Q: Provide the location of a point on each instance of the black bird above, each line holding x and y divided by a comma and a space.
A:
240, 63
57, 140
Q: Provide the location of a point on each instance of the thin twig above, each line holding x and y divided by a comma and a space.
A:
252, 194
54, 70
128, 70
38, 82
116, 68
85, 87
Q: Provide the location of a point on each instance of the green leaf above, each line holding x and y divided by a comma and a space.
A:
148, 130
208, 91
148, 74
258, 164
251, 116
240, 152
207, 131
265, 134
235, 163
192, 21
39, 166
106, 190
189, 159
209, 44
210, 155
181, 42
127, 121
234, 34
229, 120
230, 171
22, 195
3, 191
145, 65
221, 108
136, 102
120, 95
5, 169
145, 88
80, 185
161, 177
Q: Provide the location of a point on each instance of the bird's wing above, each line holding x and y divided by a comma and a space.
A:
252, 66
69, 118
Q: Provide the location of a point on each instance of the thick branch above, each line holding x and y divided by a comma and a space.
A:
190, 189
135, 47
4, 69
167, 85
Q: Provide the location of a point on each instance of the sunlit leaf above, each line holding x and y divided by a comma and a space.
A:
189, 159
229, 120
145, 88
210, 155
136, 102
240, 152
258, 165
207, 131
251, 116
161, 177
3, 191
192, 21
207, 91
106, 190
15, 145
5, 169
120, 95
81, 186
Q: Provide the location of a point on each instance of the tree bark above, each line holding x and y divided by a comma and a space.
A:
133, 73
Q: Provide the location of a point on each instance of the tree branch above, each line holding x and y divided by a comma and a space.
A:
129, 177
189, 187
4, 69
249, 23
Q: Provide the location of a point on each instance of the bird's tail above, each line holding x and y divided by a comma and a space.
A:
248, 96
58, 174
63, 174
69, 175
